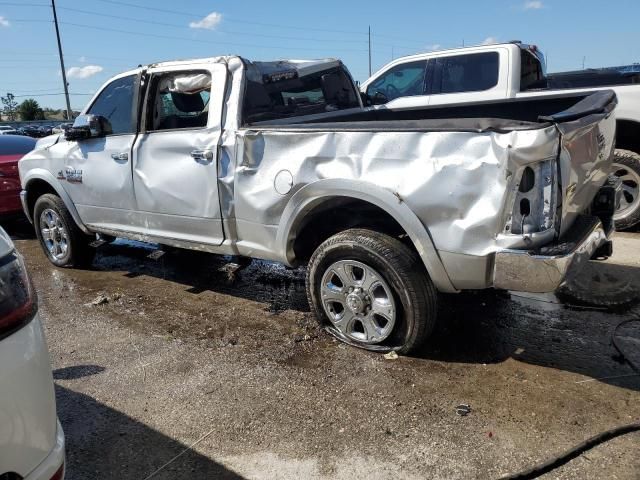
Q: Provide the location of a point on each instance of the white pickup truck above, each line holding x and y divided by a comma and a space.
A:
280, 161
493, 73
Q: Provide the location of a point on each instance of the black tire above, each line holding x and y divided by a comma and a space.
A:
600, 285
78, 252
400, 267
630, 164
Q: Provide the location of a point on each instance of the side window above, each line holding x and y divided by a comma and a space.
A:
531, 73
469, 73
115, 103
179, 100
400, 81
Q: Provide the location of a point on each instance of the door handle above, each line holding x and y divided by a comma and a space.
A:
123, 157
203, 155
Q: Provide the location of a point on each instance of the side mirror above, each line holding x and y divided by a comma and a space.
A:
88, 126
379, 98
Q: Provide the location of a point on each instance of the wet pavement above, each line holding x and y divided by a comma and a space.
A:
152, 356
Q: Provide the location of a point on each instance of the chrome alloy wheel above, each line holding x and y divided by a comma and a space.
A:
54, 234
358, 301
630, 190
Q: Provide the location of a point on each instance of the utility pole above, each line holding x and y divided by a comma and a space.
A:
584, 59
369, 49
64, 73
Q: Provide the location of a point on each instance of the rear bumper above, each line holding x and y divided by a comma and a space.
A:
546, 269
54, 461
25, 206
31, 439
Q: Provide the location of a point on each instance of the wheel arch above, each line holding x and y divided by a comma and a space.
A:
316, 196
37, 183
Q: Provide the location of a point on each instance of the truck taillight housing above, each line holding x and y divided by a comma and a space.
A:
18, 303
534, 199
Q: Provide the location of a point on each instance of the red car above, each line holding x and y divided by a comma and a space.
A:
12, 148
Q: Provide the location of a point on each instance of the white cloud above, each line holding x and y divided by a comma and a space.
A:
533, 5
489, 41
84, 72
433, 48
4, 22
82, 59
210, 22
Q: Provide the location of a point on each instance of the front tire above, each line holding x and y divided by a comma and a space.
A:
626, 166
64, 244
370, 290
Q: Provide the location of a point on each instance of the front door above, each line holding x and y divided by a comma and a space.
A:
97, 171
175, 158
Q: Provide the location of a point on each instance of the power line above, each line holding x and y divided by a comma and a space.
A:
404, 41
182, 26
209, 42
49, 94
200, 15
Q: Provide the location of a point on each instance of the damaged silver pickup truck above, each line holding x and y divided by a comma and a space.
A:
280, 161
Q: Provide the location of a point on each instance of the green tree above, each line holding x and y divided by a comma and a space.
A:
30, 110
10, 106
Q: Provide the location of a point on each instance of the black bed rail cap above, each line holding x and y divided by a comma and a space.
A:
598, 101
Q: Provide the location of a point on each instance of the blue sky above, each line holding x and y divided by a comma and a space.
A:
103, 37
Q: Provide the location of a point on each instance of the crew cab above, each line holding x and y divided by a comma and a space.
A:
280, 161
489, 73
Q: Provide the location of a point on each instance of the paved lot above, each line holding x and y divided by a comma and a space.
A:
151, 356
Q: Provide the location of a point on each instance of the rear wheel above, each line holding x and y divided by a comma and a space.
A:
626, 166
370, 290
62, 241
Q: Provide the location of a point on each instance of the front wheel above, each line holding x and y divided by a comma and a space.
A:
370, 290
626, 166
62, 241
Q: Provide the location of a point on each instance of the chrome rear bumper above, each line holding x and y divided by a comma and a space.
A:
544, 270
25, 205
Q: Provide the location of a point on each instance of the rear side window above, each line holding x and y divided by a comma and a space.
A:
179, 100
400, 81
277, 90
531, 72
469, 73
115, 103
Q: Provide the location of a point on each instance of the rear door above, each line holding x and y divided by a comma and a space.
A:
470, 77
97, 171
175, 158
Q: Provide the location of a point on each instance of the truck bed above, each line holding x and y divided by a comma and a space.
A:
500, 115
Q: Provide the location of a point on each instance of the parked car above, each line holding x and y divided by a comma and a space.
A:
514, 70
280, 161
6, 130
12, 149
62, 128
29, 131
45, 130
31, 438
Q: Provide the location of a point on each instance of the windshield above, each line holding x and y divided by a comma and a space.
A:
287, 89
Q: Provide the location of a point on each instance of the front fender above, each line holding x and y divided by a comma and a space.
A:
313, 194
40, 174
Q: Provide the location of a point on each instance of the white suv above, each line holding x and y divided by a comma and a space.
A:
31, 438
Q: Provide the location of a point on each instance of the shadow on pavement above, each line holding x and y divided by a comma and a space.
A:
76, 371
266, 282
104, 443
480, 327
490, 327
